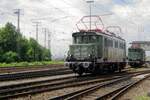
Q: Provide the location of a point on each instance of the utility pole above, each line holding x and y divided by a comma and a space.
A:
18, 12
45, 34
37, 29
90, 11
49, 41
49, 44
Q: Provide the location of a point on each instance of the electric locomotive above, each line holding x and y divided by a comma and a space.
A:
96, 51
136, 56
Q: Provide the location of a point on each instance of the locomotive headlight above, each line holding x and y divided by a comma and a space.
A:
69, 56
90, 55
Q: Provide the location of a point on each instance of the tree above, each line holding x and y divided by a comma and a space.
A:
9, 37
33, 45
23, 45
46, 54
14, 47
1, 55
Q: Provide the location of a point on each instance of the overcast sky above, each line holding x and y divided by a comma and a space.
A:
60, 17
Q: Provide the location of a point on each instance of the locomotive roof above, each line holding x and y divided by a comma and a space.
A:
136, 48
95, 33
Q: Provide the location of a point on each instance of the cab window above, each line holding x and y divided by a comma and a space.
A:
93, 39
116, 44
86, 39
78, 39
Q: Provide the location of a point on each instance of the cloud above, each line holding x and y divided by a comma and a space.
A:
60, 17
136, 16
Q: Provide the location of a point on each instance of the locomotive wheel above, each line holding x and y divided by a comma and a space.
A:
93, 69
111, 70
96, 70
79, 71
119, 67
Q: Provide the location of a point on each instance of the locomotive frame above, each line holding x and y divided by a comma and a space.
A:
113, 55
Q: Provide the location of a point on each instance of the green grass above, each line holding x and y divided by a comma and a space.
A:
143, 97
28, 64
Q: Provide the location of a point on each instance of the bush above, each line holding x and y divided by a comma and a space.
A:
10, 57
37, 63
24, 64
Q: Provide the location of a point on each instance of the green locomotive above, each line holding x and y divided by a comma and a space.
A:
136, 57
96, 51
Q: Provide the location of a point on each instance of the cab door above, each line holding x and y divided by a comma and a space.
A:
105, 52
100, 46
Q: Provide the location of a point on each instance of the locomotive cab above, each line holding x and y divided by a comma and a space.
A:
86, 48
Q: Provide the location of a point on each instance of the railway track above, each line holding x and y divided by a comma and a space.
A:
32, 87
109, 90
33, 74
126, 88
47, 85
22, 89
